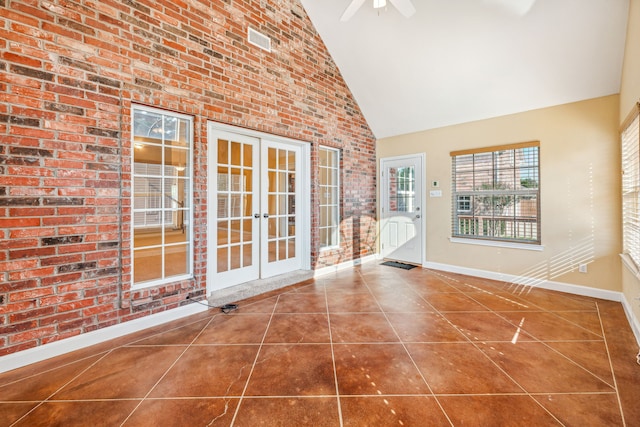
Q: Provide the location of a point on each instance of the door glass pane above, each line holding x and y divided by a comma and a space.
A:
273, 256
235, 201
248, 155
236, 153
291, 160
247, 229
273, 227
291, 248
247, 254
235, 231
223, 233
223, 151
236, 259
401, 189
223, 259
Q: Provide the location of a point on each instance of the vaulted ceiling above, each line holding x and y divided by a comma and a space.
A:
456, 61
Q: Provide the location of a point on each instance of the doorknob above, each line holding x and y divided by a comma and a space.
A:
256, 215
417, 216
265, 215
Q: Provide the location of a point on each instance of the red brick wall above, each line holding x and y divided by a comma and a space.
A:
69, 73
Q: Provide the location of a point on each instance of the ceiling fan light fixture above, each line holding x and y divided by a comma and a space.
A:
377, 4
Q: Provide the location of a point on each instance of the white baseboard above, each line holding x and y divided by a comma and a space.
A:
633, 320
528, 281
57, 348
547, 284
344, 265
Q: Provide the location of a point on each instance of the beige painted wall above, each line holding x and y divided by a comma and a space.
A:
580, 190
630, 88
629, 95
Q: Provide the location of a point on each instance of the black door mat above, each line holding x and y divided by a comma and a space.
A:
398, 265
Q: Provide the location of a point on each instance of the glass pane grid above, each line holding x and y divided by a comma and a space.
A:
502, 201
235, 205
161, 195
329, 194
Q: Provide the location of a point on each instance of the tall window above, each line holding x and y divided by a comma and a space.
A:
162, 193
496, 193
631, 186
329, 197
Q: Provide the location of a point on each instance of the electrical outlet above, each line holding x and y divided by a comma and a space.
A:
582, 268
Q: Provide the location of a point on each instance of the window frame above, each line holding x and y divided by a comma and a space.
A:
185, 211
485, 170
630, 187
335, 228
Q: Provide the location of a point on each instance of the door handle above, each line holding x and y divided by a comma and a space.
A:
265, 215
256, 215
417, 216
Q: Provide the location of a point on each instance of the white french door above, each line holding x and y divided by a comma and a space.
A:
280, 198
255, 221
402, 209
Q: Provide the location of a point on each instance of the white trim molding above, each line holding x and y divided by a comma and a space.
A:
57, 348
569, 288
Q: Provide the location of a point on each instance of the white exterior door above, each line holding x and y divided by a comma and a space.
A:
234, 231
255, 208
402, 209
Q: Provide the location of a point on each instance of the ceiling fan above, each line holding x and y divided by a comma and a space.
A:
405, 7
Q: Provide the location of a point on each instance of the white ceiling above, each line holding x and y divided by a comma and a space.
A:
456, 61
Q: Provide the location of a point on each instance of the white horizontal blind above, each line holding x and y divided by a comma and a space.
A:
631, 189
496, 193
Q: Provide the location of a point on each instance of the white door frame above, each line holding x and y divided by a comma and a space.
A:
421, 157
304, 210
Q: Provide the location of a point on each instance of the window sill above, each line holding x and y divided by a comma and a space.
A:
153, 283
494, 243
630, 265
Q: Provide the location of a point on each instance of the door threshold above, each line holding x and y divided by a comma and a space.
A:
256, 287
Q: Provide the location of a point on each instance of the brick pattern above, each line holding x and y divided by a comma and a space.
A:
69, 73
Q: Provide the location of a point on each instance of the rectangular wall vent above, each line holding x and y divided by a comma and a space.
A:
259, 39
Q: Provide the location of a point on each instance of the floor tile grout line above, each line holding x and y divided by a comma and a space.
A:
323, 396
538, 340
474, 344
545, 343
408, 353
187, 347
13, 382
613, 372
333, 359
43, 401
253, 365
539, 308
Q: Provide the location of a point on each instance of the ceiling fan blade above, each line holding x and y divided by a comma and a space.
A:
351, 10
518, 7
405, 7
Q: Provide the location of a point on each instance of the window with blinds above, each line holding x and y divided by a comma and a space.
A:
630, 141
496, 193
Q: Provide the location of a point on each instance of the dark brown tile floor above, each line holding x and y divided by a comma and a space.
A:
372, 346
